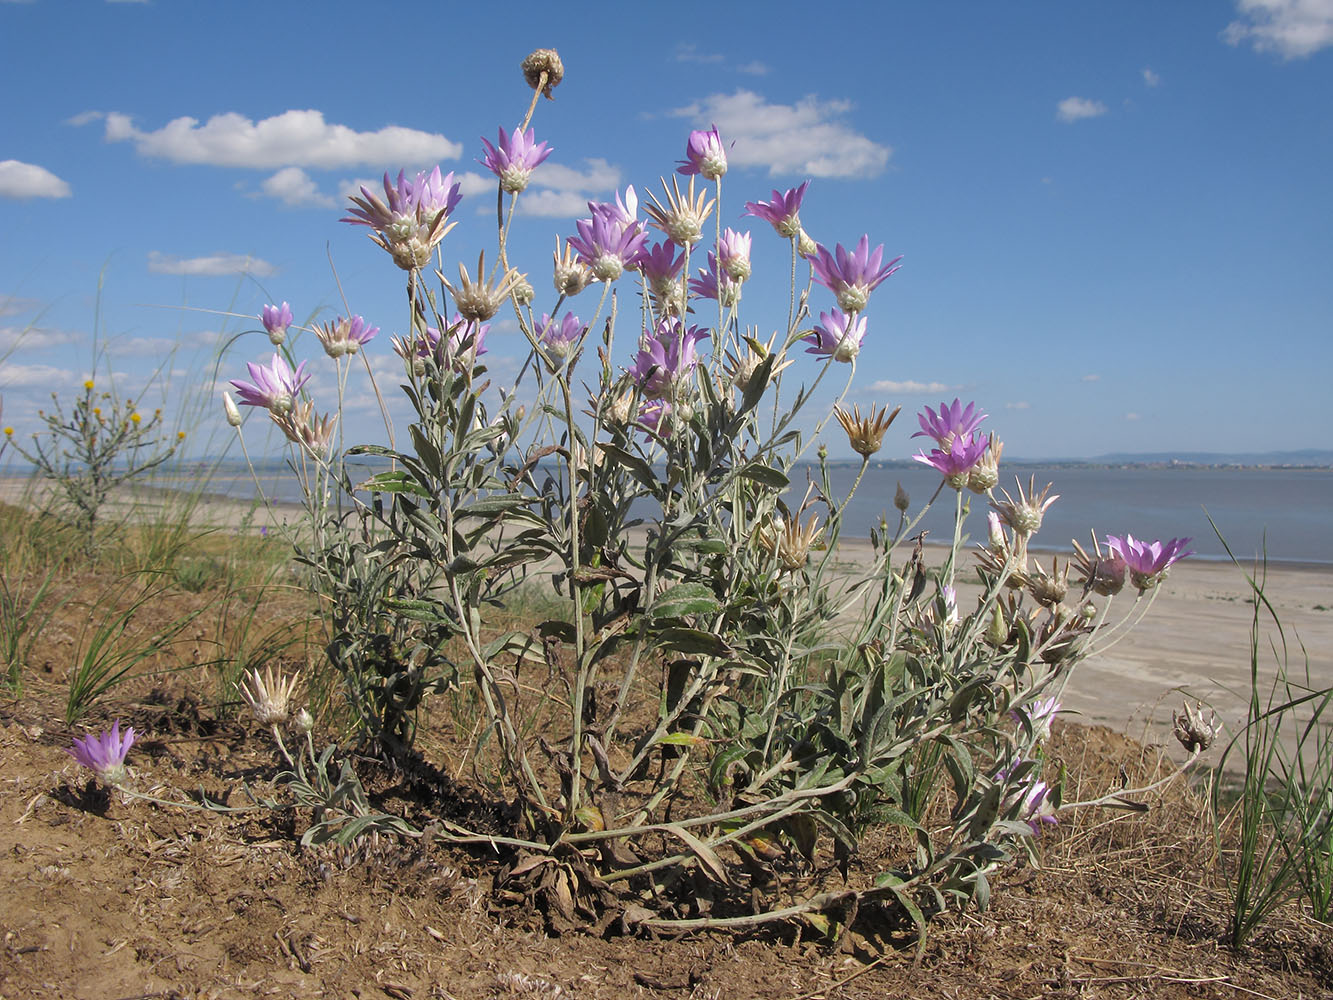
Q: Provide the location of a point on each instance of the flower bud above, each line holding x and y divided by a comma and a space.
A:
1194, 732
303, 722
231, 410
900, 499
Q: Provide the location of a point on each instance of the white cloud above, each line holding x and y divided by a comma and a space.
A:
27, 180
1131, 416
553, 204
1021, 405
1150, 79
1292, 28
598, 175
13, 305
30, 337
295, 187
755, 68
1091, 378
141, 347
910, 388
806, 138
216, 265
1072, 109
85, 118
33, 376
293, 138
689, 52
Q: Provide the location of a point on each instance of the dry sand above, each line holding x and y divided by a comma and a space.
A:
1194, 640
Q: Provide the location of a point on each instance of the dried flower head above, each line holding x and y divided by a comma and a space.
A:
741, 366
790, 542
104, 754
268, 695
986, 473
571, 275
1102, 573
683, 215
1048, 589
304, 427
543, 70
1194, 732
866, 434
1024, 514
479, 300
345, 336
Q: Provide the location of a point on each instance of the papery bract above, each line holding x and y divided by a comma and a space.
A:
1147, 562
952, 421
782, 211
514, 158
954, 464
276, 320
666, 359
704, 154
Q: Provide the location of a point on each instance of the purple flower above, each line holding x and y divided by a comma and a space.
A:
955, 463
952, 421
274, 388
852, 276
606, 243
1037, 808
104, 755
412, 218
666, 359
655, 416
559, 338
837, 335
1147, 562
660, 264
712, 285
1040, 715
782, 212
515, 158
276, 320
467, 342
704, 154
345, 336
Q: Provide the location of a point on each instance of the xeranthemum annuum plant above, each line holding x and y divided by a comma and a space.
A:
732, 708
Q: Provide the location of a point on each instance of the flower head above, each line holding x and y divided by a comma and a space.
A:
607, 244
683, 215
704, 154
667, 359
1194, 732
345, 336
852, 275
1039, 715
1024, 514
782, 212
986, 473
742, 366
515, 158
104, 754
733, 254
268, 695
229, 409
1102, 573
712, 284
560, 338
661, 266
952, 421
837, 335
957, 462
866, 434
1147, 562
274, 387
478, 300
790, 542
302, 426
543, 70
570, 276
412, 218
276, 319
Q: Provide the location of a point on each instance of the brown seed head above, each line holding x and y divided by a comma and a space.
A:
865, 434
543, 70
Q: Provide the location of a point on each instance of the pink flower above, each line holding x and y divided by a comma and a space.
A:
276, 319
782, 212
704, 155
666, 359
955, 463
560, 338
952, 421
515, 158
275, 388
1147, 562
837, 335
104, 755
852, 276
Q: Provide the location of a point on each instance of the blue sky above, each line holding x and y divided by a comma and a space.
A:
1117, 218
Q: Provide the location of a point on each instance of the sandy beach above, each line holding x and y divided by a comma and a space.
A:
1193, 642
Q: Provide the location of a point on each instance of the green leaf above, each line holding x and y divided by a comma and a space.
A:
396, 481
692, 641
686, 599
633, 464
765, 475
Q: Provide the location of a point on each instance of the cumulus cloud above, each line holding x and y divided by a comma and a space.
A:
1091, 378
807, 138
553, 204
910, 388
1293, 29
1150, 79
1131, 416
1073, 109
216, 265
1020, 405
293, 186
293, 138
27, 180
